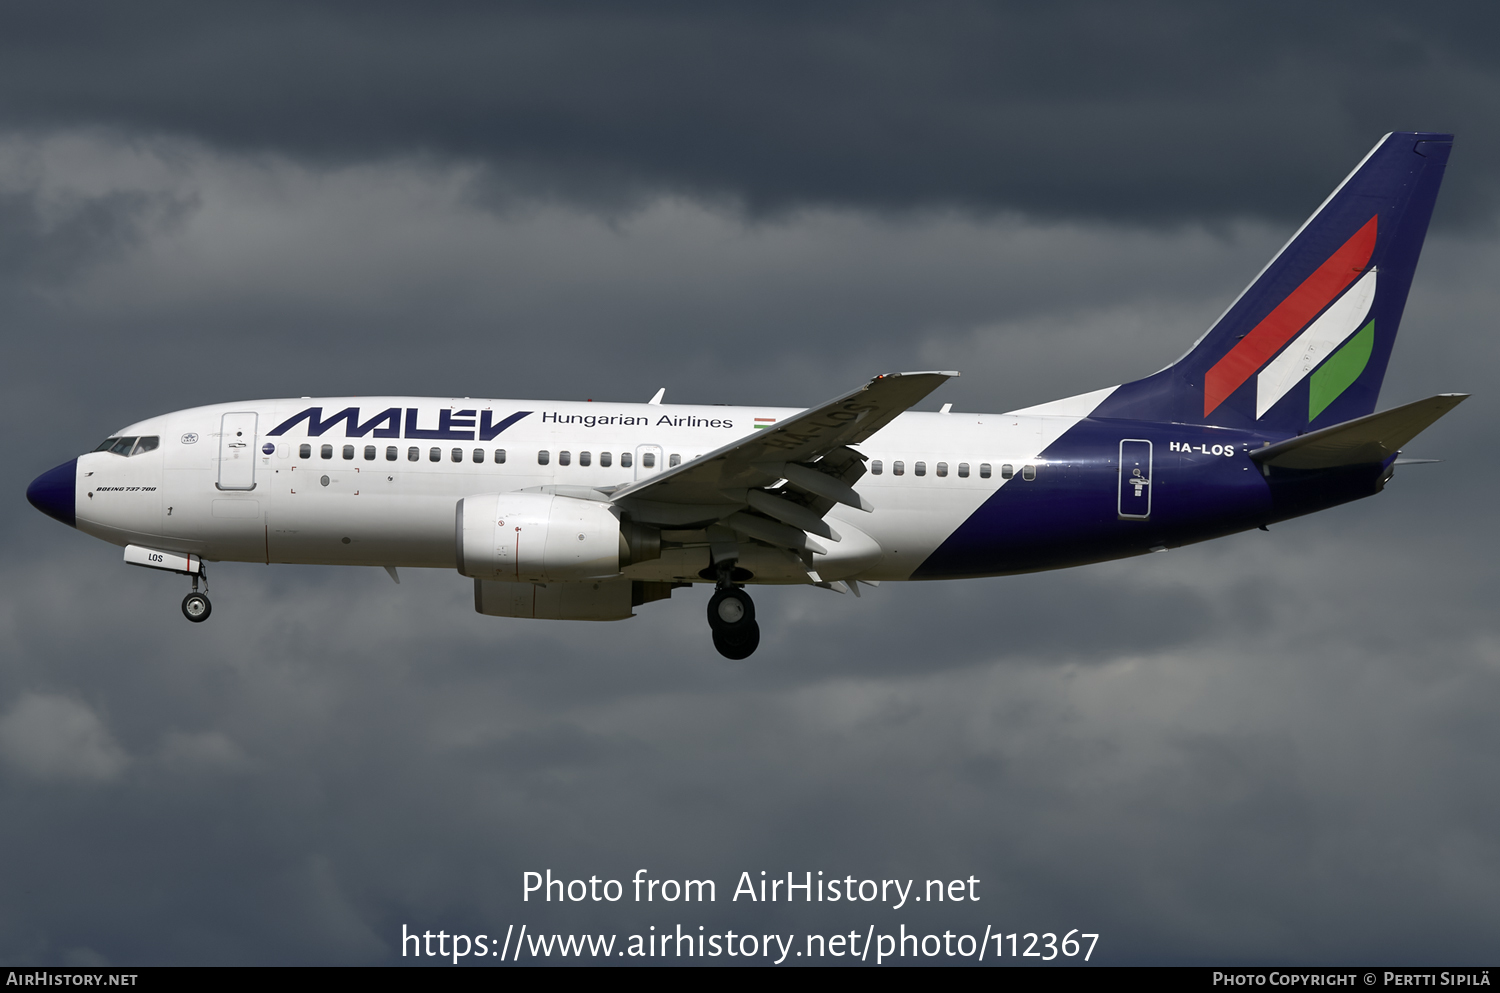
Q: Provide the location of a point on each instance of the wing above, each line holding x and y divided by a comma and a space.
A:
775, 485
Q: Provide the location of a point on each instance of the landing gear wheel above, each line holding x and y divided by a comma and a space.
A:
739, 644
196, 608
730, 610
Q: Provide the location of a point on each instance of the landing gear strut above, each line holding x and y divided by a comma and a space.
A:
195, 606
731, 616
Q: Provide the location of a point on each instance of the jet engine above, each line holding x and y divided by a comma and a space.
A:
543, 537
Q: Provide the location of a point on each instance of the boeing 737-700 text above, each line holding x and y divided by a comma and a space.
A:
583, 511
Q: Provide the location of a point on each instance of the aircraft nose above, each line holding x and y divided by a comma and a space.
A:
54, 493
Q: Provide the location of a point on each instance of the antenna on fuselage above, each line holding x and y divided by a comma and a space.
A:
659, 394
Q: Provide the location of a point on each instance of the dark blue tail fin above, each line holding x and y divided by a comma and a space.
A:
1307, 343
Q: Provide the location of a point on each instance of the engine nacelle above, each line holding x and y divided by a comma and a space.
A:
542, 537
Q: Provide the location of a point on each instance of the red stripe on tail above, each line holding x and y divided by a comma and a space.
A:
1290, 316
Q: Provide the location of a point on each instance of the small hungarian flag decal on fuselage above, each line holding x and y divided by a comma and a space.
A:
764, 422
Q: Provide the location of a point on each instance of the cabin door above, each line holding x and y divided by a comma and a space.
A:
237, 451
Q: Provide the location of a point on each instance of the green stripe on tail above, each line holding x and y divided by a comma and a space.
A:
1340, 371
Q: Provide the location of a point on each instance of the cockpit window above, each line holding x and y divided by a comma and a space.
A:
130, 446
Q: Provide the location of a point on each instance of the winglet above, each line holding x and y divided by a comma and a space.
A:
659, 394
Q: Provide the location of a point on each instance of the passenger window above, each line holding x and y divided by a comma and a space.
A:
543, 457
390, 453
457, 455
648, 459
1007, 470
348, 452
304, 452
877, 467
413, 454
369, 453
499, 456
963, 470
674, 460
921, 469
942, 468
605, 459
984, 470
564, 458
434, 455
898, 468
1028, 472
327, 452
123, 446
146, 444
478, 455
626, 460
584, 458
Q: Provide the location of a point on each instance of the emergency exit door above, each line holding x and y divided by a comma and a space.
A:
237, 451
647, 461
1135, 480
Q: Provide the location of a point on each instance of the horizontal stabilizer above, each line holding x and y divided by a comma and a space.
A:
1362, 441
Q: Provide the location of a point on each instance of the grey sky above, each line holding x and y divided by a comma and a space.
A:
1275, 747
1146, 111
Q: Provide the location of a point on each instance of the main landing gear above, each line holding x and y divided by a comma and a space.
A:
731, 615
195, 606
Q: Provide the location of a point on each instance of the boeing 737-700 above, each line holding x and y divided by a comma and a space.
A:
584, 511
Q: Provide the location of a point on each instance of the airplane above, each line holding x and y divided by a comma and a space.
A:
585, 511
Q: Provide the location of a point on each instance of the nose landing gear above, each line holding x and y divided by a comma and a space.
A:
731, 616
196, 606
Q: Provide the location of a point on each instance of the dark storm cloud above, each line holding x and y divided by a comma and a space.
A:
376, 278
1143, 111
44, 243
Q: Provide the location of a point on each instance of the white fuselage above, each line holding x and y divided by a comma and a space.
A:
332, 498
